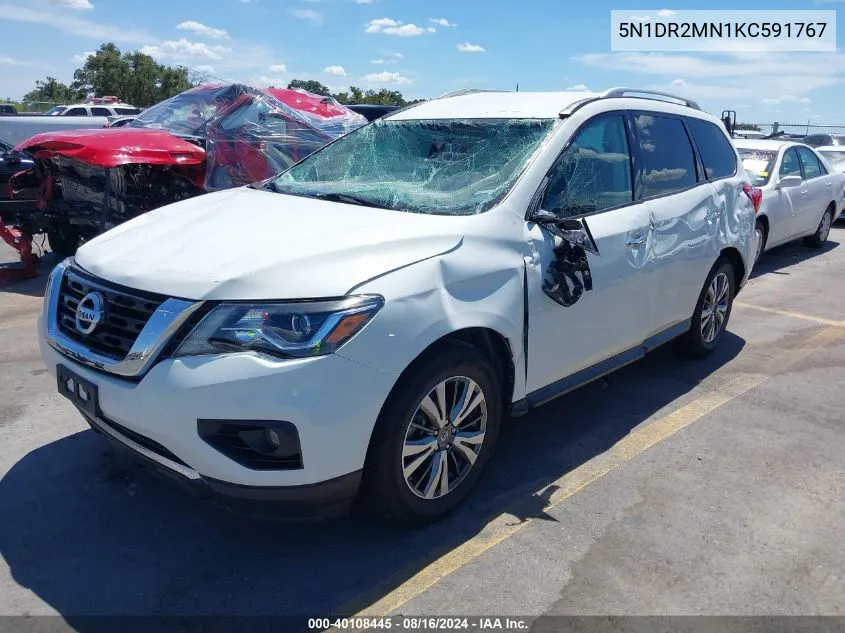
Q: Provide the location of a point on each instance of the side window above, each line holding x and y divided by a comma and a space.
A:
100, 112
812, 169
716, 151
77, 112
790, 165
667, 154
127, 111
594, 172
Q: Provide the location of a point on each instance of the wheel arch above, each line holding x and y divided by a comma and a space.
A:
733, 256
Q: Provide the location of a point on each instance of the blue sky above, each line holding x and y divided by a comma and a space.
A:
421, 47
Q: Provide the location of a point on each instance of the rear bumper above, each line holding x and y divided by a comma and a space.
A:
326, 498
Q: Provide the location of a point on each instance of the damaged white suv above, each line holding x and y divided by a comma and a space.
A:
362, 325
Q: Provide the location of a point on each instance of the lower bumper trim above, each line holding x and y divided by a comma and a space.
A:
325, 498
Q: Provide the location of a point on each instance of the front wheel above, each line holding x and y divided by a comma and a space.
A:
434, 436
64, 238
817, 239
712, 312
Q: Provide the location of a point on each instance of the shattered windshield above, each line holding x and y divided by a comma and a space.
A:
758, 163
189, 111
448, 167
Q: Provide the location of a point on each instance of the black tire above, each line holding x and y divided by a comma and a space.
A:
817, 239
384, 489
760, 229
64, 238
693, 342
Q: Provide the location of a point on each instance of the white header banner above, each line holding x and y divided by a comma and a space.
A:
722, 31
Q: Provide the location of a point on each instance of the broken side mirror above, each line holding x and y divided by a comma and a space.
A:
574, 231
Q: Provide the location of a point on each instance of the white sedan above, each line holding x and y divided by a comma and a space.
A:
803, 194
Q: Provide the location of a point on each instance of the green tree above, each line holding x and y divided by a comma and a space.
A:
747, 126
51, 90
380, 97
314, 87
131, 76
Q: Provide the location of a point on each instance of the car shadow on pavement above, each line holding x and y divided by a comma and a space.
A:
91, 535
31, 287
781, 257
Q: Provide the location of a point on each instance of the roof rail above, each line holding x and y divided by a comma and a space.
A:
622, 92
466, 91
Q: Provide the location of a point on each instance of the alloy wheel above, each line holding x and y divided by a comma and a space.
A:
824, 229
444, 437
715, 307
760, 238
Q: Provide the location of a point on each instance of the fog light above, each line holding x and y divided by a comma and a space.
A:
272, 438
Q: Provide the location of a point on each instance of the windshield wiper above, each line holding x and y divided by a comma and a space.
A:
347, 198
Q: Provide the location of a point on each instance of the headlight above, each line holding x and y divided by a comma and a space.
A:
288, 330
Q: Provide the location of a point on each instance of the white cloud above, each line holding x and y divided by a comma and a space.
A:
278, 68
381, 61
184, 50
307, 14
466, 47
73, 25
83, 56
666, 13
431, 29
74, 4
392, 27
785, 99
340, 71
386, 78
441, 22
639, 18
205, 68
364, 1
202, 29
578, 88
398, 55
9, 61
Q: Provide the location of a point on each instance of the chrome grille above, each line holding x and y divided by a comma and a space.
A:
126, 312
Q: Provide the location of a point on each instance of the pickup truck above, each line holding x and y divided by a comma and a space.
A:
16, 129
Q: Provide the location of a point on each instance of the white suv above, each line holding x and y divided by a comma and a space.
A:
365, 322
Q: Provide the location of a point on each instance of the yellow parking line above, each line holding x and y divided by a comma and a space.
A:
794, 315
506, 525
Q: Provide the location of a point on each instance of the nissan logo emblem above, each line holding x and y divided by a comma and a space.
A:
89, 312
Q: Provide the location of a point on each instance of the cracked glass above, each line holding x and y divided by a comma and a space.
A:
443, 166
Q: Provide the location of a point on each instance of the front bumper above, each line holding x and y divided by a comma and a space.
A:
332, 401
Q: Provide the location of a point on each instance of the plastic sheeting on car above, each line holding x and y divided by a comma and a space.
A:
250, 134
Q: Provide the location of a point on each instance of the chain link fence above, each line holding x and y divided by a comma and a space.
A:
799, 130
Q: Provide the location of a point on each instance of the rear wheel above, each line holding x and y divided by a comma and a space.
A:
434, 436
817, 239
712, 311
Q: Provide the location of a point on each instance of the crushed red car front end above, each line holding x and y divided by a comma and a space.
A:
205, 139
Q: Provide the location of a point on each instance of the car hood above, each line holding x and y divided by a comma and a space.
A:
110, 147
250, 244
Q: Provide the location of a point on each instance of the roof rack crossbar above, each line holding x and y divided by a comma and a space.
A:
623, 92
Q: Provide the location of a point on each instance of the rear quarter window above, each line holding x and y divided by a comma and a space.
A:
101, 112
715, 149
76, 112
127, 111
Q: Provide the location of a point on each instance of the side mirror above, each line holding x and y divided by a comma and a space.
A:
575, 232
789, 181
12, 157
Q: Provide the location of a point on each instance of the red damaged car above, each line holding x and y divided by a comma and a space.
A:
208, 138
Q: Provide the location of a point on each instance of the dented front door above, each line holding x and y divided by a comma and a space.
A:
603, 321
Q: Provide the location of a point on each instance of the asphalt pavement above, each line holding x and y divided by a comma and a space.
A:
675, 488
